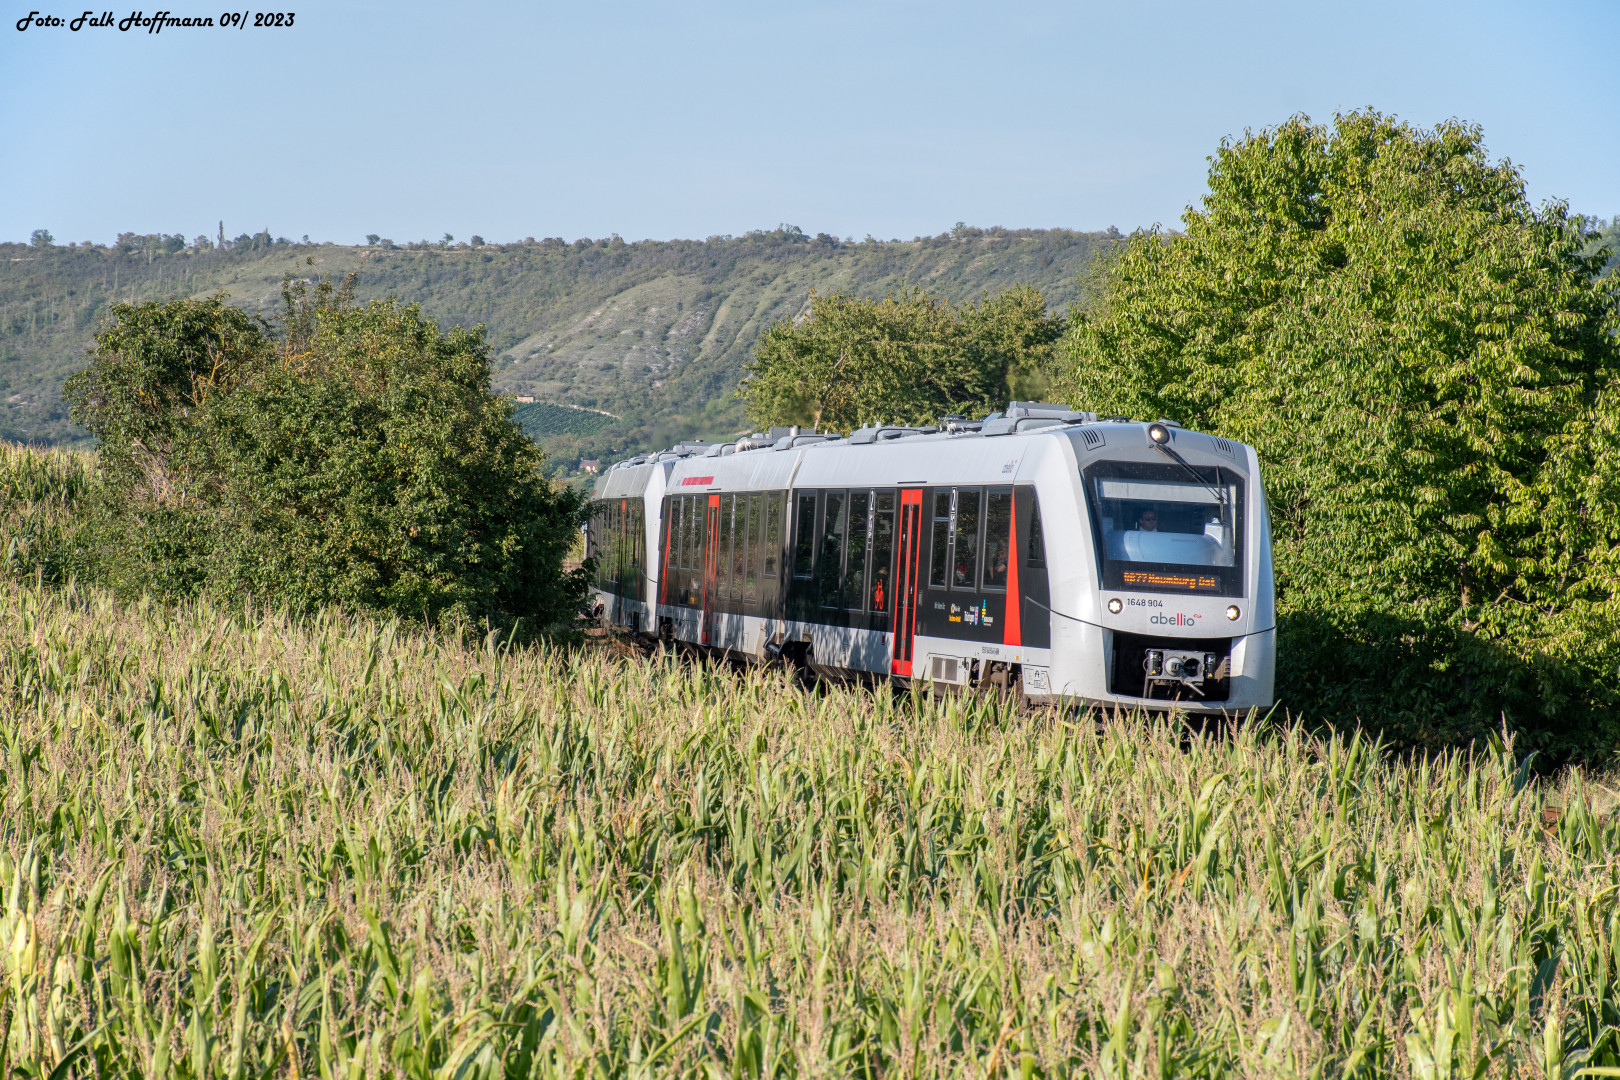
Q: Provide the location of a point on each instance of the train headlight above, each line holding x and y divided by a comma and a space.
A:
1115, 606
1159, 434
1232, 612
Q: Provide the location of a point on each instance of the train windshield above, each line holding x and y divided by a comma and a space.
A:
1167, 529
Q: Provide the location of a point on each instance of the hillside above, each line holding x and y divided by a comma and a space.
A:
654, 332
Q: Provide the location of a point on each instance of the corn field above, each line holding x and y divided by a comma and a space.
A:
236, 845
39, 490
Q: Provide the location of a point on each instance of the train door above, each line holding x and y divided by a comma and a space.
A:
711, 556
905, 592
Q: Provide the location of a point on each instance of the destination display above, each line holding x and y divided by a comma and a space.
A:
1164, 579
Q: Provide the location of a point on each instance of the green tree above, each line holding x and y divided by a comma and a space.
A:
41, 238
1604, 242
1426, 364
357, 457
911, 357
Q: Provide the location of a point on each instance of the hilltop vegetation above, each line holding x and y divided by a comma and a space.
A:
655, 332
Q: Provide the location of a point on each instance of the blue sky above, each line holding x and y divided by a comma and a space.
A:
662, 120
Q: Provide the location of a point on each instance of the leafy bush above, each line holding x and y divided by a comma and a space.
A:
1426, 364
357, 457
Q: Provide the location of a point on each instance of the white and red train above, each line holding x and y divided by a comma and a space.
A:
1103, 562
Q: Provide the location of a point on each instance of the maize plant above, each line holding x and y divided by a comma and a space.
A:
237, 845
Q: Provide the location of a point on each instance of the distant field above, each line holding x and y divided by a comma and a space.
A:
541, 419
234, 844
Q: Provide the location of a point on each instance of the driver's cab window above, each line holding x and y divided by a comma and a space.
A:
1167, 522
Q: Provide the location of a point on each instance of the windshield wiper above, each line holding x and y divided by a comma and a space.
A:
1217, 491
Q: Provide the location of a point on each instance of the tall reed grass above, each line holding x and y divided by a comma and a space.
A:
236, 845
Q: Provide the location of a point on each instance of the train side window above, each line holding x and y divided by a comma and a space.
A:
722, 557
696, 508
735, 510
997, 538
940, 556
804, 544
772, 543
678, 532
882, 552
637, 543
673, 531
671, 534
669, 574
739, 543
699, 536
965, 574
751, 580
859, 535
831, 567
619, 534
1037, 543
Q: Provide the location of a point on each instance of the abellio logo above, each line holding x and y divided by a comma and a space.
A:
1176, 619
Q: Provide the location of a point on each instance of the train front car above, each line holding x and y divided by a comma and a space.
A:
1163, 593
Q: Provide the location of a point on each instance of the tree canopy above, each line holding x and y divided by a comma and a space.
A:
910, 357
1427, 366
353, 455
